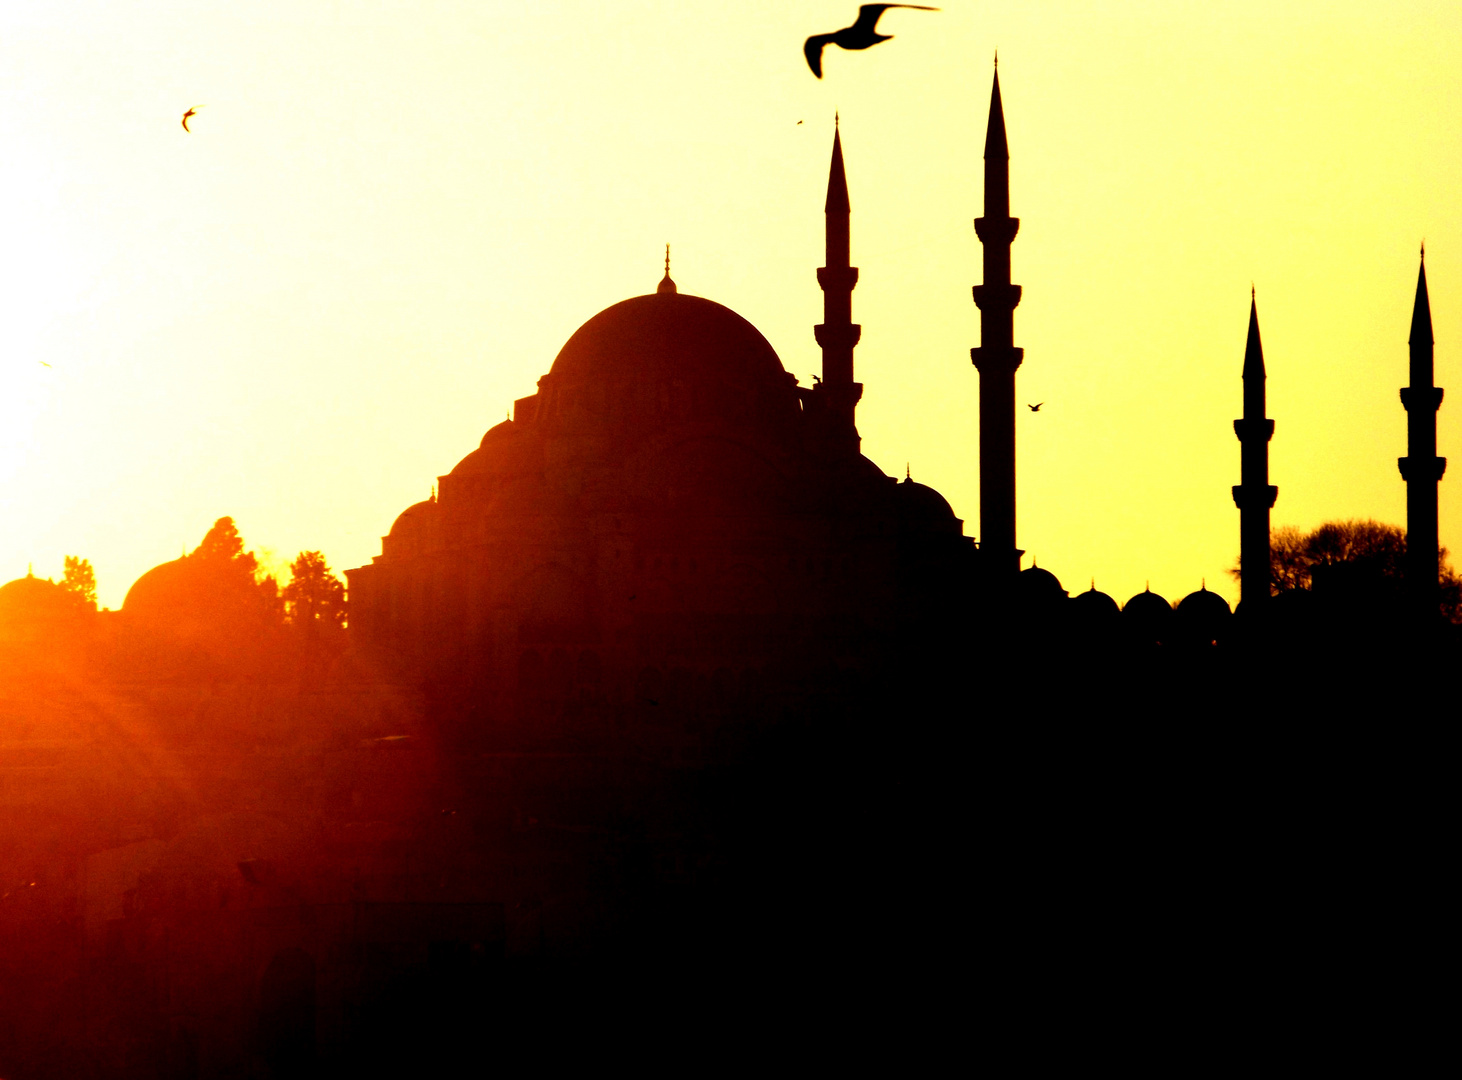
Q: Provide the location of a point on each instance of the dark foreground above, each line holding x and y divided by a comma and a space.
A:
1016, 857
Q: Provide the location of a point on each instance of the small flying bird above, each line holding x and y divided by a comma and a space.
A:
1036, 407
192, 112
861, 35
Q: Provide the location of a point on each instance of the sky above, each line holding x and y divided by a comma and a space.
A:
389, 216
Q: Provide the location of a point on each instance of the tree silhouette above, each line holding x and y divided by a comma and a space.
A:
314, 596
234, 573
79, 582
1355, 557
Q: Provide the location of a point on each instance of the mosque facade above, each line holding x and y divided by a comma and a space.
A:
670, 504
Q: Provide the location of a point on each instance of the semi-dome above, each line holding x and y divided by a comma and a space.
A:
666, 336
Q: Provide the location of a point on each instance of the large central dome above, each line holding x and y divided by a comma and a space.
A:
668, 337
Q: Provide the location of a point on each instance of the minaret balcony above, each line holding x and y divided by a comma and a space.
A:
997, 230
997, 358
997, 297
1423, 470
837, 277
1423, 396
1255, 497
1247, 429
843, 336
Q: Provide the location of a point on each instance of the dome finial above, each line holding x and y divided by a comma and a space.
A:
907, 474
666, 285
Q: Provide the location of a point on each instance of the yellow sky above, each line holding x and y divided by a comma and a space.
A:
390, 216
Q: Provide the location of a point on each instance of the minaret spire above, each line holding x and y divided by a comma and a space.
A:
996, 358
1255, 495
1421, 468
837, 395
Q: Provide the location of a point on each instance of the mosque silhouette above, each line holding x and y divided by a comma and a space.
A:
670, 505
670, 719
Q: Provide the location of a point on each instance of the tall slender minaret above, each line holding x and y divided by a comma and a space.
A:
1421, 468
997, 357
1255, 495
837, 395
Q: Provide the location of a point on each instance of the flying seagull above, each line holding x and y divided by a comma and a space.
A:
192, 112
1036, 407
860, 35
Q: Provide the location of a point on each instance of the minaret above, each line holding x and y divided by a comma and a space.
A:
1255, 495
1421, 468
837, 395
997, 357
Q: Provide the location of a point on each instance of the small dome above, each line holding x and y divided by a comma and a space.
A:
1147, 605
1095, 604
413, 519
923, 503
1148, 618
1202, 615
1039, 585
31, 595
1203, 602
32, 608
158, 588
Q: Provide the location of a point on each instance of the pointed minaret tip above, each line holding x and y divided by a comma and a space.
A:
995, 142
1253, 347
666, 285
837, 177
1421, 309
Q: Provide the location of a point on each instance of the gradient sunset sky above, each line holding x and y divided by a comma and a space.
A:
390, 216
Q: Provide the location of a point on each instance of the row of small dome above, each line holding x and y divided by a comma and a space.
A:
1201, 614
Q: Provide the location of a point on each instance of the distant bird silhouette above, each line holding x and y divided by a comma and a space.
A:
1036, 407
861, 35
192, 112
799, 121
